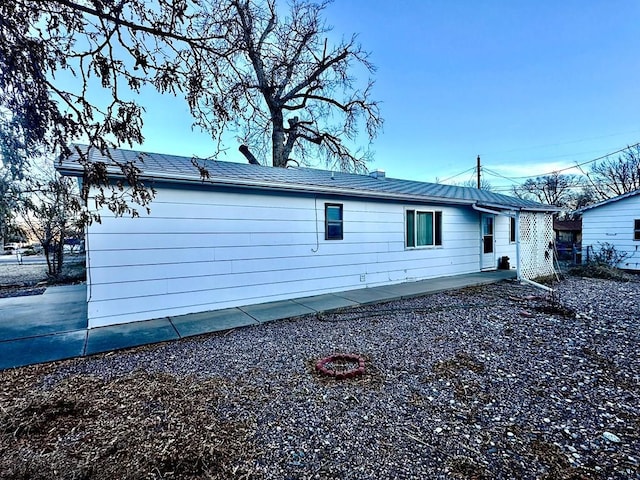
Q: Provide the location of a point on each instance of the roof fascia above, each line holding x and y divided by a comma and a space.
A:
608, 201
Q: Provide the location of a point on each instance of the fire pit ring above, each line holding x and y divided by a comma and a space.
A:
330, 366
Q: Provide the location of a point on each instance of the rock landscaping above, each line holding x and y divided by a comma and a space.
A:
455, 385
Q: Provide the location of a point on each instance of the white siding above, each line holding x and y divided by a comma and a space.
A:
613, 223
201, 251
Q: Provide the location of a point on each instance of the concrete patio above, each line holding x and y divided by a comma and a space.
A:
53, 326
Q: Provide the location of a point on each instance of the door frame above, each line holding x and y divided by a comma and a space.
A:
488, 259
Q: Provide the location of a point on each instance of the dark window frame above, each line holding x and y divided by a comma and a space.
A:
333, 223
636, 229
512, 229
411, 231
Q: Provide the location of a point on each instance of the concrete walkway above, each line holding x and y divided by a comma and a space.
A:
53, 326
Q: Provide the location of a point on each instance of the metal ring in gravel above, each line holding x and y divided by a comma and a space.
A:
341, 365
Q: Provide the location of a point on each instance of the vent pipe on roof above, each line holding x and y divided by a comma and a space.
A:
248, 155
377, 174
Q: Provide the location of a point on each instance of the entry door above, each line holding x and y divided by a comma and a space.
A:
488, 254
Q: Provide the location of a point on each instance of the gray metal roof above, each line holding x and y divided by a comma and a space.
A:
610, 200
172, 168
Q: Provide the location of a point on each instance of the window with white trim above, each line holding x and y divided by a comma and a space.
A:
333, 221
423, 228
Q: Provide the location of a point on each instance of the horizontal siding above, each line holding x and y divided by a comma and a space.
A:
613, 223
205, 251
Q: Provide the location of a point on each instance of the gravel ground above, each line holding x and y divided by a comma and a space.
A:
501, 381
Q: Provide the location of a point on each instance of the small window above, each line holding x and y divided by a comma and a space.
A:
512, 229
636, 229
423, 229
333, 221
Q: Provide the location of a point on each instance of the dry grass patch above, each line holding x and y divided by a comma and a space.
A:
140, 426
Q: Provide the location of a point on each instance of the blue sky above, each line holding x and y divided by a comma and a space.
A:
531, 87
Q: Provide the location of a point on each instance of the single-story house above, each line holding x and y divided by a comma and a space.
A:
615, 221
250, 234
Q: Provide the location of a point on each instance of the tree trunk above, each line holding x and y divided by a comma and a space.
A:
59, 257
46, 247
277, 139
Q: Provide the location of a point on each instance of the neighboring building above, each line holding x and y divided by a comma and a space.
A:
617, 222
568, 231
568, 235
250, 234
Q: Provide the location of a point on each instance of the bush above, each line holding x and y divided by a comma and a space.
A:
606, 255
599, 270
602, 263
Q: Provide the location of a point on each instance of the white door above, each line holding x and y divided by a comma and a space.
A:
487, 247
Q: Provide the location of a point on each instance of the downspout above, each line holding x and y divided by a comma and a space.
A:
518, 275
484, 210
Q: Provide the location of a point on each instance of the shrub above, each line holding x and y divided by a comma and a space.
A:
598, 270
606, 255
602, 263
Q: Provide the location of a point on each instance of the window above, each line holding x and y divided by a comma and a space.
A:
636, 229
423, 229
333, 221
512, 229
487, 233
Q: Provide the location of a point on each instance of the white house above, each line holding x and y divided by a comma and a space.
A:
250, 234
617, 222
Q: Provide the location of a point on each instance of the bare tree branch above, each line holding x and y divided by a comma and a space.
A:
613, 177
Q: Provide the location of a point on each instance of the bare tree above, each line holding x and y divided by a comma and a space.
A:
292, 91
613, 177
554, 189
49, 208
484, 184
585, 196
71, 70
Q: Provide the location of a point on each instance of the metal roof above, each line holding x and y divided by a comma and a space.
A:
177, 169
610, 200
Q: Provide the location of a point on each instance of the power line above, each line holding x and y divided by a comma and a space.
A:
457, 175
577, 165
496, 174
562, 143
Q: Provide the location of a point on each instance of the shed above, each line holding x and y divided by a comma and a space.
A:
616, 222
568, 237
568, 231
250, 234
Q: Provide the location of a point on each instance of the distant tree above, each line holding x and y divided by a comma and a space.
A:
292, 92
584, 197
12, 161
613, 177
49, 208
484, 184
554, 189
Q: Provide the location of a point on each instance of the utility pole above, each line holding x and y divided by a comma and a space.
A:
478, 170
